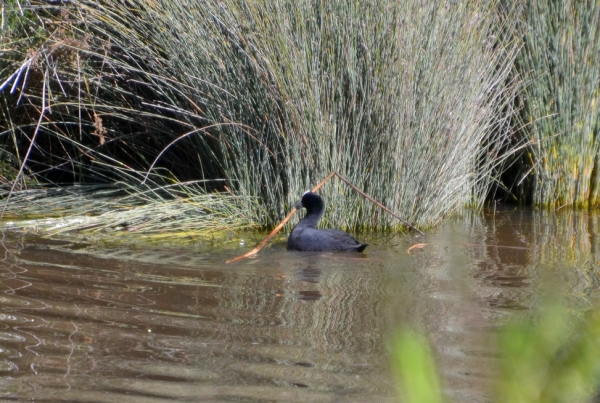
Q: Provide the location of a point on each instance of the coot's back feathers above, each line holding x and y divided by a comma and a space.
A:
306, 237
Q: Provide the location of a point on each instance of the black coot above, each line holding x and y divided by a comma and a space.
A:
306, 237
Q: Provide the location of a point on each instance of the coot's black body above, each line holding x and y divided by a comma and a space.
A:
306, 237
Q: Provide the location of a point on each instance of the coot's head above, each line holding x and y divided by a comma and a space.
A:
312, 202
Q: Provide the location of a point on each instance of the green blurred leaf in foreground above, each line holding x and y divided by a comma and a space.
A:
552, 358
415, 369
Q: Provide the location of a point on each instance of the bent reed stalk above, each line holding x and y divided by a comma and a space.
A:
411, 100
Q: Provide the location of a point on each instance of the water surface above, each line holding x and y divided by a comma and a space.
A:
81, 321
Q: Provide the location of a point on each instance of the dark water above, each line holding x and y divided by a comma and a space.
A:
84, 322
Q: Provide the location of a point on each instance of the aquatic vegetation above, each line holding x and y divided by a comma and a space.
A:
410, 101
421, 105
181, 212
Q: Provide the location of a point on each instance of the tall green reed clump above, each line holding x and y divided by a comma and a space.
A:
401, 97
561, 110
409, 100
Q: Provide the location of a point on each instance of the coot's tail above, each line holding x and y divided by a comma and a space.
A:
362, 247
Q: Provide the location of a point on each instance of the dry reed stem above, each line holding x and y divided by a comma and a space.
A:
31, 143
381, 206
287, 218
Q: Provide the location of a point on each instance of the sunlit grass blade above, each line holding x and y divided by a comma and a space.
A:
415, 369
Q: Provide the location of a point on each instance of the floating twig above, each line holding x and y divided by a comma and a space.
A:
416, 246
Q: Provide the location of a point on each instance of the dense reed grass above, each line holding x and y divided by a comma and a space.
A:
560, 105
411, 101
